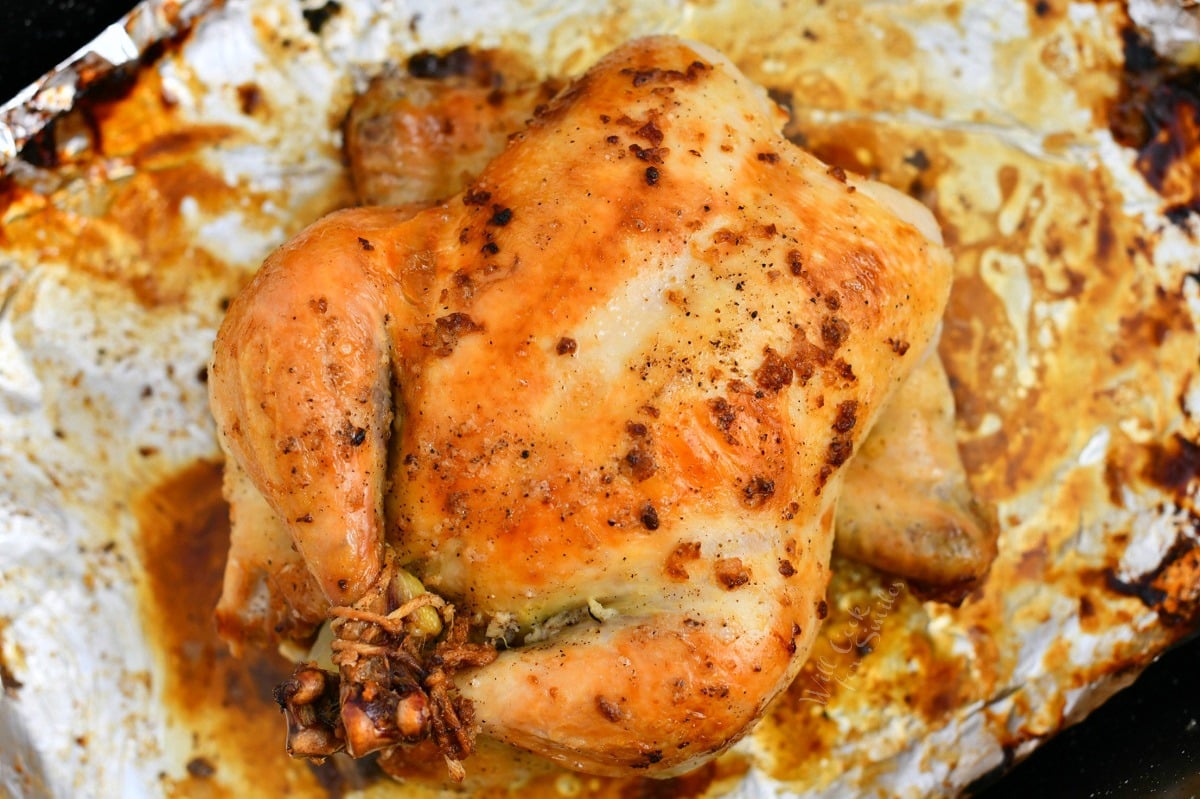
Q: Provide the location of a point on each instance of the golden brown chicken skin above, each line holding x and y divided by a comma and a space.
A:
423, 134
419, 135
612, 384
907, 507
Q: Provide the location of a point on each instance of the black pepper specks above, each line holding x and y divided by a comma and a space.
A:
847, 416
447, 330
476, 197
834, 332
652, 176
501, 216
757, 491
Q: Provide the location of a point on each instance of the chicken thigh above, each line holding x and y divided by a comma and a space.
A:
599, 403
906, 507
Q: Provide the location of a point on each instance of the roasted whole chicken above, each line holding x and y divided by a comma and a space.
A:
420, 135
556, 460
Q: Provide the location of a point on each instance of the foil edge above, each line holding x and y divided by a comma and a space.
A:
121, 43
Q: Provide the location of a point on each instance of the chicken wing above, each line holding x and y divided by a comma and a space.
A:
421, 135
600, 401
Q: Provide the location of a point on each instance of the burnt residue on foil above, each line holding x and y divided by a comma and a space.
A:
1172, 588
100, 68
317, 17
138, 182
1157, 113
58, 143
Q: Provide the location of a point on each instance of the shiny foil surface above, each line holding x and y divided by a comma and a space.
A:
1056, 143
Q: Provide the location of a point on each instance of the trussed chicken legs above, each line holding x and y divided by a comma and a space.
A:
600, 399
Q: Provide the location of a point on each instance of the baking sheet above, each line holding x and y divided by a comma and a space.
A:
133, 239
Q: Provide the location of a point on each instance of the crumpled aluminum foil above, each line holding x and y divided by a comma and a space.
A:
120, 45
1174, 27
1071, 340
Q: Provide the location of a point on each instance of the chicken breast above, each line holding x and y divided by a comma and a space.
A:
421, 135
601, 401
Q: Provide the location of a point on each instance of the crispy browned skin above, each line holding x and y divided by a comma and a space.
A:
421, 134
624, 369
907, 507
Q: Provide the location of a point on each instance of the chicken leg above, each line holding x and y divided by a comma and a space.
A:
616, 378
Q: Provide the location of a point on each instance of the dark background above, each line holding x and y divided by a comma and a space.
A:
1143, 742
35, 35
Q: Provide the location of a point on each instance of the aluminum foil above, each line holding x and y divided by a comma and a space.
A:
1071, 341
120, 45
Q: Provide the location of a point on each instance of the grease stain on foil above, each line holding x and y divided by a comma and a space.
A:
146, 207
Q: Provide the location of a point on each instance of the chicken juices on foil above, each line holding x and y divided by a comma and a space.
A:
612, 380
1068, 345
